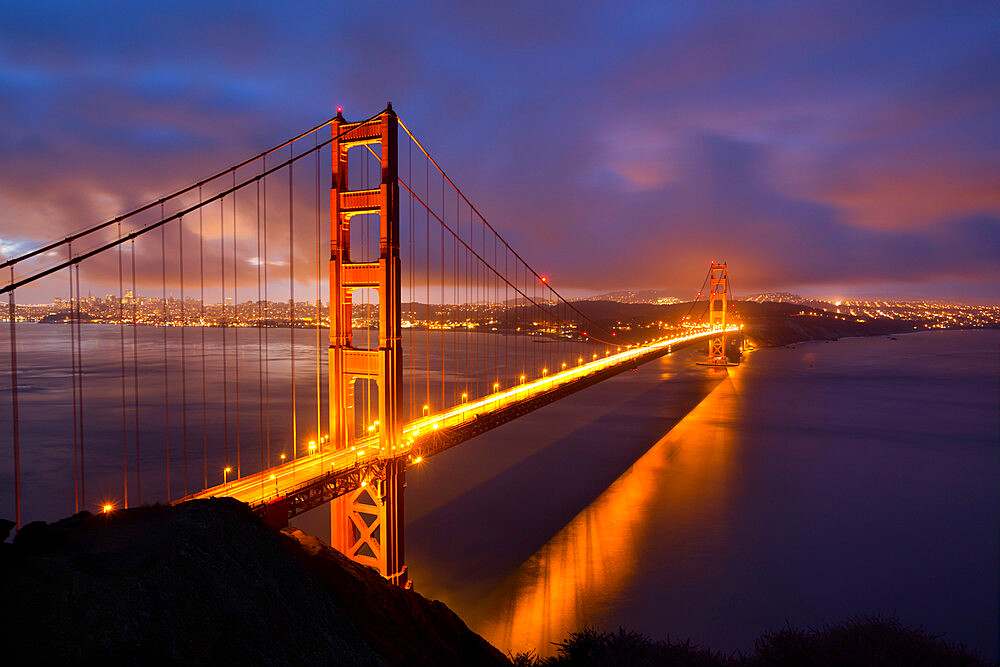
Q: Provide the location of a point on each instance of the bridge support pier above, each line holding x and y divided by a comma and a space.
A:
367, 524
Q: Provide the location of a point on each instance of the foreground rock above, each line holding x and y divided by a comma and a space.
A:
207, 582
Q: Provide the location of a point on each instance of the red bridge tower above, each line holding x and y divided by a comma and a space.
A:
367, 524
718, 307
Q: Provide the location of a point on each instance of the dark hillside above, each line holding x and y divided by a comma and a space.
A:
767, 324
206, 582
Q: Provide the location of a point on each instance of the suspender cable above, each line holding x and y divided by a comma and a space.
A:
410, 292
72, 353
183, 315
427, 283
225, 361
79, 382
319, 352
236, 336
267, 346
291, 302
444, 303
162, 200
487, 368
363, 255
465, 314
121, 345
204, 379
469, 310
491, 228
484, 348
496, 275
135, 383
496, 319
218, 196
260, 354
166, 382
455, 309
14, 406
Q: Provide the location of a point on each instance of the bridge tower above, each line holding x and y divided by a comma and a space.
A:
367, 524
718, 307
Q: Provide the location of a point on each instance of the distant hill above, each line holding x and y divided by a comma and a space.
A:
656, 296
767, 323
776, 297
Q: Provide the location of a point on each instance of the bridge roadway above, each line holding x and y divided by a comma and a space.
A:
334, 472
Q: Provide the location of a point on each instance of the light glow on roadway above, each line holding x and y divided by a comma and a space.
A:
274, 483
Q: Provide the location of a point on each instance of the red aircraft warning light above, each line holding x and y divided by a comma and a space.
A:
544, 279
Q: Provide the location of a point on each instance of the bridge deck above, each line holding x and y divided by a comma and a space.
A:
424, 436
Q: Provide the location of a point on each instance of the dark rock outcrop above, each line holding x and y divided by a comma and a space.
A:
403, 627
207, 582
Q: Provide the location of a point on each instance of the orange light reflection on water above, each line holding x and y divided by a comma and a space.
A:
574, 579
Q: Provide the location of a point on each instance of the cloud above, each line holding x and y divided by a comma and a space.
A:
615, 146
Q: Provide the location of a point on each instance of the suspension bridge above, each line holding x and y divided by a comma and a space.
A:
213, 368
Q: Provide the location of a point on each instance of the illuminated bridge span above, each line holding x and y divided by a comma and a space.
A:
217, 370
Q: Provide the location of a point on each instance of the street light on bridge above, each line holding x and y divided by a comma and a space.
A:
225, 476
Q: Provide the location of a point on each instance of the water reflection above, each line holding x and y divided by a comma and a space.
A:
577, 578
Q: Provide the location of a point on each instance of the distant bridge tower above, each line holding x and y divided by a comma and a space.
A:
718, 307
367, 524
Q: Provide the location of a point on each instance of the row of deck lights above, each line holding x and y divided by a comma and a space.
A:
313, 444
426, 412
496, 385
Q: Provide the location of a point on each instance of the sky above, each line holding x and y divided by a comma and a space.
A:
832, 149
